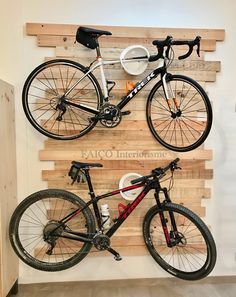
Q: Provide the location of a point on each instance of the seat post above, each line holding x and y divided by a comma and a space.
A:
92, 195
90, 186
98, 50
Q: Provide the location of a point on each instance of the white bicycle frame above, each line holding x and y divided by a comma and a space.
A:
100, 63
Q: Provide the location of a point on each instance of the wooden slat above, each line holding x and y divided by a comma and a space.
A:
150, 32
135, 164
66, 183
110, 42
116, 174
114, 53
177, 65
122, 155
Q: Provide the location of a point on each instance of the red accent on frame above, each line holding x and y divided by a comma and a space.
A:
132, 206
165, 229
127, 189
121, 208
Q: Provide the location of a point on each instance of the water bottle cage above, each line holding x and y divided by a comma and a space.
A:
105, 220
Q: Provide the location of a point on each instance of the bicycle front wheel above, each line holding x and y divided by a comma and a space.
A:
181, 123
53, 113
192, 254
35, 218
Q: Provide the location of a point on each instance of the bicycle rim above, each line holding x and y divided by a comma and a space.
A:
45, 106
193, 253
36, 217
188, 123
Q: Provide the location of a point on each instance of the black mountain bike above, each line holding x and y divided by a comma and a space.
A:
53, 229
63, 100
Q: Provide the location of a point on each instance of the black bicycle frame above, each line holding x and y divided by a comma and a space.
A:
125, 100
149, 185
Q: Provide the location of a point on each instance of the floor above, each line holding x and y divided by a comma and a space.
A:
210, 287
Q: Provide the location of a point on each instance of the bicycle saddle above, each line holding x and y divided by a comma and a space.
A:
94, 31
84, 165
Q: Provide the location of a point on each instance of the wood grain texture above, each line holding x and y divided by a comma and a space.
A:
130, 147
8, 199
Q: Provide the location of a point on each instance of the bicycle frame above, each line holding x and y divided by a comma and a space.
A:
151, 184
125, 99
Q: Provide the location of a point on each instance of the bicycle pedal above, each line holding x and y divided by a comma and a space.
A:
124, 113
118, 258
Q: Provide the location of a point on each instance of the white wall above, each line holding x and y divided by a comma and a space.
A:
20, 54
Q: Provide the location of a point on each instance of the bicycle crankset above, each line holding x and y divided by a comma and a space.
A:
110, 115
102, 243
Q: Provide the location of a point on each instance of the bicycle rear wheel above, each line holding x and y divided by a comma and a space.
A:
37, 216
193, 252
184, 128
49, 111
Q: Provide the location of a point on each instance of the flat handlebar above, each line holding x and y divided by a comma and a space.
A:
157, 172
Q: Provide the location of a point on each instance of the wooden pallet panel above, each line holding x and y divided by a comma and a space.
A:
130, 147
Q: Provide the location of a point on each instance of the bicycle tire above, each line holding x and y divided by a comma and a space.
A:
43, 105
182, 130
191, 259
39, 212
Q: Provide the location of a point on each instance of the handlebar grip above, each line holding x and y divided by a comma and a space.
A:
158, 171
176, 160
173, 163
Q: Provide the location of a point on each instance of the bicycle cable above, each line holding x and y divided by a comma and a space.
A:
170, 58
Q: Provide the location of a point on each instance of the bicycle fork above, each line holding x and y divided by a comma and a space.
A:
170, 97
169, 234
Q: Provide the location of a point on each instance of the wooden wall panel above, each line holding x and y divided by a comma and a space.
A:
130, 147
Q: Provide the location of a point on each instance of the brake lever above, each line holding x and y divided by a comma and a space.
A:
174, 167
198, 47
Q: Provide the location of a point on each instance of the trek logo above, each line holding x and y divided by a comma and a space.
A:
141, 85
133, 205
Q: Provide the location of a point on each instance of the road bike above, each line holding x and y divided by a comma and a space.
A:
64, 100
53, 229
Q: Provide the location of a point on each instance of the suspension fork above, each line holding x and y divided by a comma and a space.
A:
167, 232
162, 218
172, 218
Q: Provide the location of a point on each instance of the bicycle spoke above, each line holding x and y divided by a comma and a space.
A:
189, 253
54, 81
80, 90
45, 93
190, 111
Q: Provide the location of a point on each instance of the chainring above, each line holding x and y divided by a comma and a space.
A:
110, 115
101, 242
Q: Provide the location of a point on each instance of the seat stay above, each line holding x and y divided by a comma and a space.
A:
79, 80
